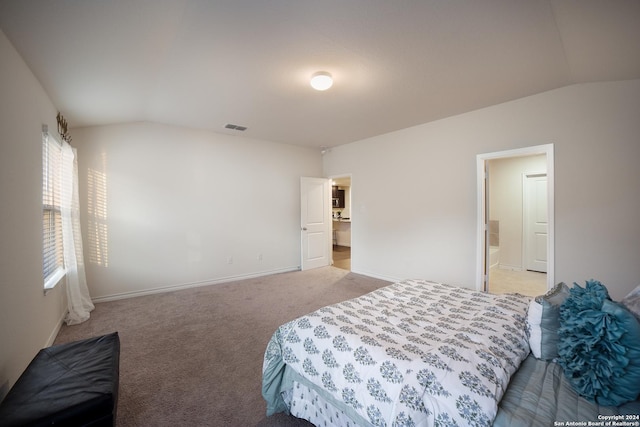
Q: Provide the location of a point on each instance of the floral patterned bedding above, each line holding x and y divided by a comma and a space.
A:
412, 353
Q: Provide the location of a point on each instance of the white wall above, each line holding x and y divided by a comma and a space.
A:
29, 320
430, 170
181, 203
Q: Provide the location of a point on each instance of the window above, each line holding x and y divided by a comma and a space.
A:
52, 251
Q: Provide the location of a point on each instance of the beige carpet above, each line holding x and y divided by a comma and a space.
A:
194, 357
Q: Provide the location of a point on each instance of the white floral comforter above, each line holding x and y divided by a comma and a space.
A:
415, 353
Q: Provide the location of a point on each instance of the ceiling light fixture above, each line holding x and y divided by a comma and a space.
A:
321, 80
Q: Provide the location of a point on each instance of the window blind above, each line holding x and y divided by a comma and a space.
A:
52, 249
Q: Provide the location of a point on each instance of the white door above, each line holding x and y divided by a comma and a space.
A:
315, 222
535, 222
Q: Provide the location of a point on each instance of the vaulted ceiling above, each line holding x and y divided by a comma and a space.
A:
206, 63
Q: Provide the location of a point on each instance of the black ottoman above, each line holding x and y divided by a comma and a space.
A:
73, 384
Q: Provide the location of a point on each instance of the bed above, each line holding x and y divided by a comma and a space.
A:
539, 395
419, 353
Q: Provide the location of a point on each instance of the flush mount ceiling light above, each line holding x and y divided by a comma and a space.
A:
321, 80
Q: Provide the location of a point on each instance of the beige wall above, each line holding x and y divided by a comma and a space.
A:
29, 320
181, 203
430, 171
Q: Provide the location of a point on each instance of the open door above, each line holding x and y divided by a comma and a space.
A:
315, 222
545, 208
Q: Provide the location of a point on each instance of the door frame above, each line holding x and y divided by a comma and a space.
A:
482, 217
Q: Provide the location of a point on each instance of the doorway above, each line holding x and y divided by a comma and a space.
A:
515, 187
341, 221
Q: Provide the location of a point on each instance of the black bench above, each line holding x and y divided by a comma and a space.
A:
73, 384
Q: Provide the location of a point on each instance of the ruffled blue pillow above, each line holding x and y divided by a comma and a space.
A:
599, 347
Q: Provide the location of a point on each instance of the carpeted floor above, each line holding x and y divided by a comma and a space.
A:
194, 357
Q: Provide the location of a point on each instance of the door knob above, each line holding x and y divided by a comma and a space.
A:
304, 228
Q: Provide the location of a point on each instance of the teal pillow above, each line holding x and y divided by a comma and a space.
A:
543, 322
627, 386
599, 347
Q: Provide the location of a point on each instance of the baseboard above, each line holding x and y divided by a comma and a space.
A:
55, 331
171, 288
377, 276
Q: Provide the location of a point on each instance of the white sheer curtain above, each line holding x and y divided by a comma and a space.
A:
78, 297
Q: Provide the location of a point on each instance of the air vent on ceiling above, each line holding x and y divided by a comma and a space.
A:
235, 127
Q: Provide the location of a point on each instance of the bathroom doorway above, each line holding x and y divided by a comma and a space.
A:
509, 182
341, 221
